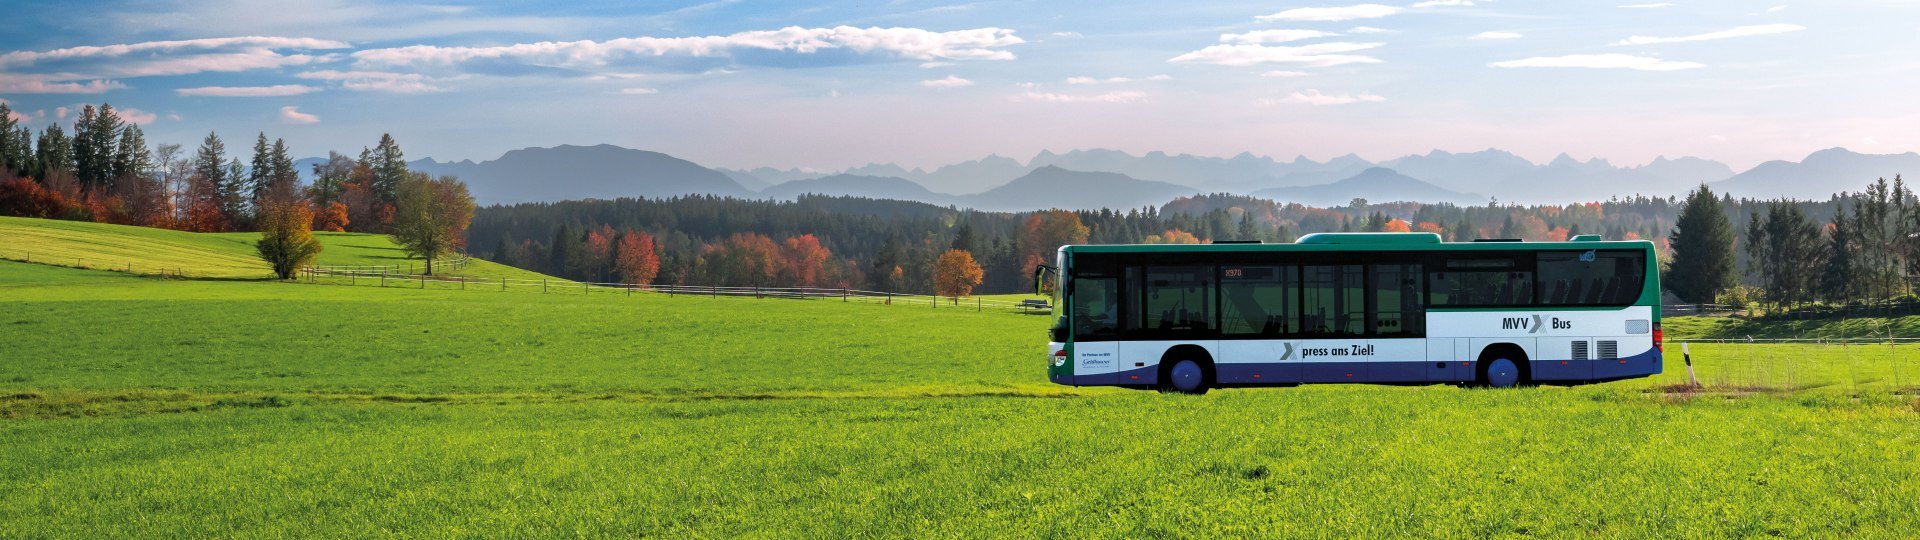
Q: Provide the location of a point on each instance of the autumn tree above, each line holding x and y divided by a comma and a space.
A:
635, 259
431, 216
802, 258
286, 242
332, 217
1044, 232
955, 274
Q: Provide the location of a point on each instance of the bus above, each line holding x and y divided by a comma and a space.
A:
1387, 308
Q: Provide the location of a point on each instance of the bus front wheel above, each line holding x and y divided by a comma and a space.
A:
1503, 373
1186, 377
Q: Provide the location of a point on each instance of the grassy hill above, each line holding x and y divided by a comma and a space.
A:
139, 407
198, 255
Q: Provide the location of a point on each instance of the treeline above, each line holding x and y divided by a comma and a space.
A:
896, 246
1853, 248
106, 172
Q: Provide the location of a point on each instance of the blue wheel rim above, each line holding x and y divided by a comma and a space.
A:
1187, 375
1502, 373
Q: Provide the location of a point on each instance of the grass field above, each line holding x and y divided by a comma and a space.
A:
157, 408
197, 255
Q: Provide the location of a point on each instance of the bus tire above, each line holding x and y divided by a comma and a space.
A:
1186, 377
1503, 372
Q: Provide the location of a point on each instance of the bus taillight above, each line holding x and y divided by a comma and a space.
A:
1658, 338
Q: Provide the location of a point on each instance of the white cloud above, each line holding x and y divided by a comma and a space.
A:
180, 57
1285, 73
248, 91
173, 116
1656, 5
135, 116
1109, 97
950, 81
60, 113
639, 91
1743, 31
27, 83
1116, 80
1066, 34
931, 65
1600, 61
375, 81
1347, 13
909, 43
290, 115
1316, 98
1497, 35
1314, 55
1274, 36
1367, 30
1443, 3
1774, 9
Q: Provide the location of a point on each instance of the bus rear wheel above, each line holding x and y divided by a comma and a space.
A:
1503, 373
1185, 377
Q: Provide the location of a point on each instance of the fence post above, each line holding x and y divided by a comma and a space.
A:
543, 286
423, 281
979, 305
843, 294
503, 284
584, 288
463, 282
383, 279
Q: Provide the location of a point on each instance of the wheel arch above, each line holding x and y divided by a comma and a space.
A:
1186, 351
1510, 351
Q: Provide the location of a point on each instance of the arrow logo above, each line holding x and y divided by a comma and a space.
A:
1289, 353
1535, 329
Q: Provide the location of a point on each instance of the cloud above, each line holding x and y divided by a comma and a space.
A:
1600, 61
639, 91
248, 91
177, 57
290, 115
949, 82
1315, 98
375, 81
1347, 13
60, 113
135, 116
1314, 55
1115, 80
1497, 35
1109, 97
1443, 3
173, 116
1774, 9
1656, 5
1274, 36
905, 43
931, 65
1066, 35
27, 83
1367, 30
1285, 73
1742, 31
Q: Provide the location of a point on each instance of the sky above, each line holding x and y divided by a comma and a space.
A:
826, 86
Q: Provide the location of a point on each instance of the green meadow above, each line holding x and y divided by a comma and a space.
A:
145, 407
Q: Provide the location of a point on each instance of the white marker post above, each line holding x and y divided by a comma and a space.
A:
1688, 356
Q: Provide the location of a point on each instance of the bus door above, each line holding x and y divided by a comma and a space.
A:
1259, 315
1093, 308
1333, 319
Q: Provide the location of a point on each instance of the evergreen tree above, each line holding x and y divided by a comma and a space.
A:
565, 250
259, 171
10, 154
233, 199
210, 160
132, 158
282, 177
390, 168
1702, 241
1836, 281
54, 152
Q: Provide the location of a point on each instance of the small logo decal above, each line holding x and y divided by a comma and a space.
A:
1587, 257
1289, 352
1535, 329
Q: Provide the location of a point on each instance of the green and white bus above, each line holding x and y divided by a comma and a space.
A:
1394, 308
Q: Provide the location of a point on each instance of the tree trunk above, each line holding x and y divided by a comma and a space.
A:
429, 264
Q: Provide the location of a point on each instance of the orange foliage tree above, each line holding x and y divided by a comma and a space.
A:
1397, 225
635, 258
332, 218
1172, 236
955, 274
1044, 232
802, 258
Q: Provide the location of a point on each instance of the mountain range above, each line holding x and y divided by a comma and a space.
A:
1096, 178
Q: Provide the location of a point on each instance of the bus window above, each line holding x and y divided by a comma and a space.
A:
1258, 300
1592, 277
1178, 299
1096, 308
1398, 308
1335, 300
1491, 281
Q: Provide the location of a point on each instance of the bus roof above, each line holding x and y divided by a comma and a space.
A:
1422, 241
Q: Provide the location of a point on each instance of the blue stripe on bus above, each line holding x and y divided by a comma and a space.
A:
1639, 365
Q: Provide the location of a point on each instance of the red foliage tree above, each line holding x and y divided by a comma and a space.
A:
599, 252
635, 258
955, 274
802, 258
27, 198
332, 218
1045, 232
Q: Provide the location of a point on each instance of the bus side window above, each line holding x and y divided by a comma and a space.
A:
1258, 300
1334, 297
1179, 298
1398, 309
1096, 309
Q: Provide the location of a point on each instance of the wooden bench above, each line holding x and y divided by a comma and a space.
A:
1039, 305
